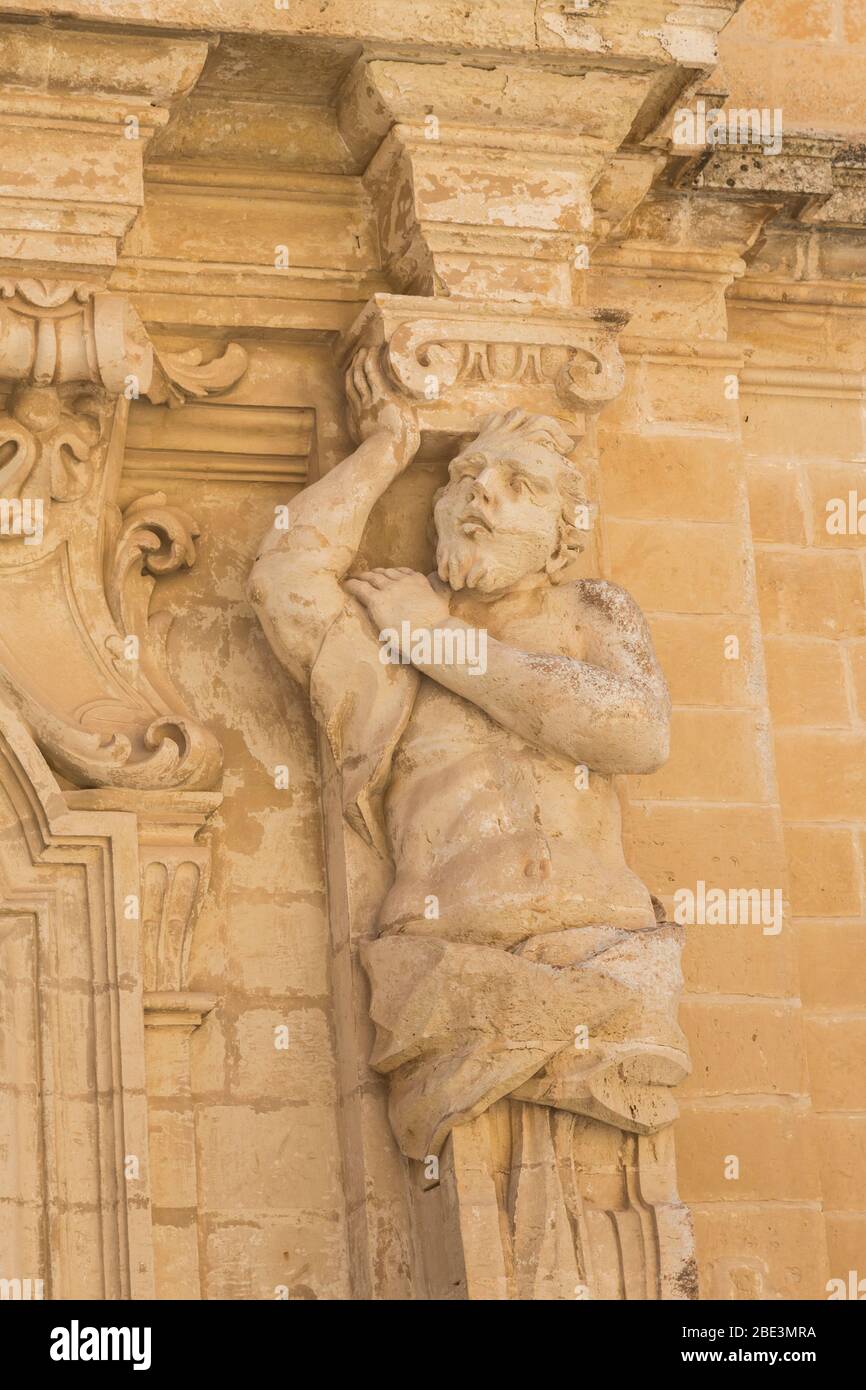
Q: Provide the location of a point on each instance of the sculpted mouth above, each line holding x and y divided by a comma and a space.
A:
472, 524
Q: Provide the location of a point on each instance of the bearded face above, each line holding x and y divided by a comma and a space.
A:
499, 518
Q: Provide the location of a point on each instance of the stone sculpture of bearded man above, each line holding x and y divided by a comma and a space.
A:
517, 954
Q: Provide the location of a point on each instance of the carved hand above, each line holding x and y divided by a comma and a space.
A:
375, 410
394, 596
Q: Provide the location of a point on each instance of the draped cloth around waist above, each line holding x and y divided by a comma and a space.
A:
583, 1020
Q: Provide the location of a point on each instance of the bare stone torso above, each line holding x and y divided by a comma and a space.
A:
497, 831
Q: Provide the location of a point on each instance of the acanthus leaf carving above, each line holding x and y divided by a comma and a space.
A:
56, 338
182, 376
55, 432
175, 874
166, 753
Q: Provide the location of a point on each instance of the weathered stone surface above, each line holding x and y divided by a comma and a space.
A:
297, 946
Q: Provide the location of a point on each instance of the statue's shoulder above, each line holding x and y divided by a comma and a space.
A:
600, 600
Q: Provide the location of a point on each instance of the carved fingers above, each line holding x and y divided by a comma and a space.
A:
394, 596
374, 409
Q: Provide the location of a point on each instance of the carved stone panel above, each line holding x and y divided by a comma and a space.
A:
71, 359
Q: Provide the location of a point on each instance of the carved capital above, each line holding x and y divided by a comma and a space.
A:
56, 333
174, 857
457, 361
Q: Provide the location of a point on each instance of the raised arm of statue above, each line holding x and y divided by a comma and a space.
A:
318, 630
295, 584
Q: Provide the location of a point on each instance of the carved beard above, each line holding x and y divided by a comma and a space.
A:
463, 563
487, 563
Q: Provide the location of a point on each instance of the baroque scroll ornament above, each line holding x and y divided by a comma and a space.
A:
72, 357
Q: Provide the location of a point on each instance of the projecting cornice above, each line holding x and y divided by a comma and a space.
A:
815, 180
659, 31
730, 193
77, 110
495, 150
482, 177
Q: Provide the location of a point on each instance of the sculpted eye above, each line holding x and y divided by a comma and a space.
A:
521, 485
468, 469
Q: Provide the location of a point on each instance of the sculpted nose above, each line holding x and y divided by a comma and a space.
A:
484, 487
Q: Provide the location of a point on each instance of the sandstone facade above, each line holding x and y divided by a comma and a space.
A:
325, 976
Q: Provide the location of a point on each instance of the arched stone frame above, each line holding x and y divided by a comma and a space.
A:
75, 1172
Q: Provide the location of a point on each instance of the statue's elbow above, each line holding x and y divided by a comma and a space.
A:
640, 745
654, 744
266, 596
258, 588
271, 578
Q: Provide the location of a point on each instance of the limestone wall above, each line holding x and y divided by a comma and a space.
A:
503, 182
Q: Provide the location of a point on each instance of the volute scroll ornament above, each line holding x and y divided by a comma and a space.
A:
78, 576
452, 360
